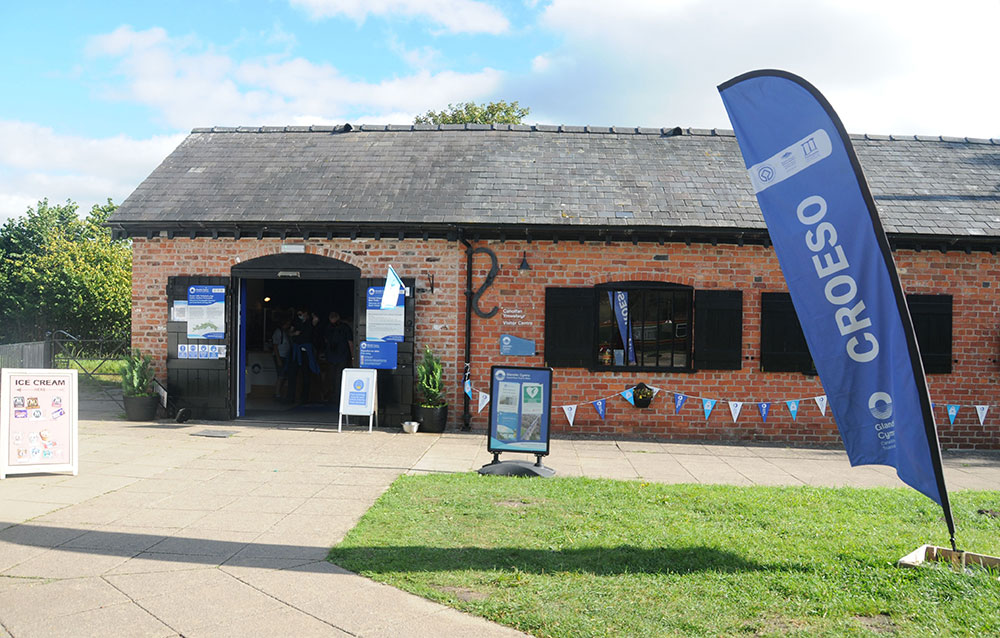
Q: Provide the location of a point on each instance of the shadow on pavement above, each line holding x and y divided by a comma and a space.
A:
198, 551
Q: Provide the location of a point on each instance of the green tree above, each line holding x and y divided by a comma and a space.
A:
60, 272
471, 113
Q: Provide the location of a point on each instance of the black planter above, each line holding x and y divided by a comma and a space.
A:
431, 419
640, 402
141, 408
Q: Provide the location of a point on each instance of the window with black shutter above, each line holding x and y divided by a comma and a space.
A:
718, 329
931, 315
782, 345
639, 325
569, 327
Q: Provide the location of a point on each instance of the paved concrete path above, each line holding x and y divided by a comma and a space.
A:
165, 534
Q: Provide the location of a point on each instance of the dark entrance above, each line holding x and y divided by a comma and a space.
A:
270, 291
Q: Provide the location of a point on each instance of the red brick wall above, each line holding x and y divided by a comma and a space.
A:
752, 269
440, 315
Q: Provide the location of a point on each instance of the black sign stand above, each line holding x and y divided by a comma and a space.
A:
518, 468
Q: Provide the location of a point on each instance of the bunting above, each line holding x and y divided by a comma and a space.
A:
484, 400
763, 408
734, 409
570, 411
599, 406
707, 405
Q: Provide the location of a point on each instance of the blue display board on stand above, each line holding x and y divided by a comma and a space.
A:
520, 409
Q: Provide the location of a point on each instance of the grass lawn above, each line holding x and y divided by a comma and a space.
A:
584, 557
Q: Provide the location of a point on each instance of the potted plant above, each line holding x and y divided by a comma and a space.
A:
137, 387
642, 394
432, 411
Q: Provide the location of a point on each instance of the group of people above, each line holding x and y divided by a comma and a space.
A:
301, 344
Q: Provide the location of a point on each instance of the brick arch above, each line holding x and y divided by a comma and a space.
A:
258, 250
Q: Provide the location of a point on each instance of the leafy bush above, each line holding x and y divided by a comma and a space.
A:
137, 375
429, 380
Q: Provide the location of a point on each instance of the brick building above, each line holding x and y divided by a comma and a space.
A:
576, 217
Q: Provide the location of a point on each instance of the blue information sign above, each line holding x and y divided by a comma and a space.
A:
519, 409
384, 324
206, 312
516, 346
378, 354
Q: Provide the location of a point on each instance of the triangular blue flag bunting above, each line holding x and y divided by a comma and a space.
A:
707, 405
599, 406
793, 407
468, 387
679, 400
952, 413
628, 395
763, 408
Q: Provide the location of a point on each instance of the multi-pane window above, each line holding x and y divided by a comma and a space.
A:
643, 327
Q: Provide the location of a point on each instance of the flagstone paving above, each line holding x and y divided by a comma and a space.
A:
167, 534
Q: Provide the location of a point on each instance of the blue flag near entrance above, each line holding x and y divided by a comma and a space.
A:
840, 273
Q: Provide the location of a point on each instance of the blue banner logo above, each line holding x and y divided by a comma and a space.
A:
833, 252
619, 301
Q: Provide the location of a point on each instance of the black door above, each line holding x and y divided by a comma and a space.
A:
202, 385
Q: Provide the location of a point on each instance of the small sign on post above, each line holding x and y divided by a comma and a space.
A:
520, 406
38, 422
358, 395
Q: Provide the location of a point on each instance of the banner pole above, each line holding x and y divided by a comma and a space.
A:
916, 362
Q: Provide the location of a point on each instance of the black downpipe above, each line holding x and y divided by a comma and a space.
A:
466, 412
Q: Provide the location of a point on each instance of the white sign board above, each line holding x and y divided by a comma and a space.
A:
38, 421
358, 394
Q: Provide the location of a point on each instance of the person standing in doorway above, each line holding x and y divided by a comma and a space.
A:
303, 358
339, 350
281, 346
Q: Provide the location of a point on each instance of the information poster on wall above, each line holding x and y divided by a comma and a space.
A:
377, 354
384, 324
206, 312
519, 410
38, 421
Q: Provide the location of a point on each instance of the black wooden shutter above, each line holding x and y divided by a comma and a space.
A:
569, 327
718, 329
931, 315
783, 346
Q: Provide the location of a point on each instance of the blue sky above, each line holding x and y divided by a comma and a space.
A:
96, 94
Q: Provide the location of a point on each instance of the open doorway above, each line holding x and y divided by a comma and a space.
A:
278, 386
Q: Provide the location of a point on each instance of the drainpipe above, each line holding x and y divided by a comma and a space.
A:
466, 412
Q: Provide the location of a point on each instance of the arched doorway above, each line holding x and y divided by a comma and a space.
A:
269, 290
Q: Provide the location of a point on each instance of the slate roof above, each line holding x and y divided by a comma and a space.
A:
560, 178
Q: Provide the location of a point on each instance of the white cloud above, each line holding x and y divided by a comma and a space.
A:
36, 162
887, 67
422, 58
457, 16
191, 87
541, 63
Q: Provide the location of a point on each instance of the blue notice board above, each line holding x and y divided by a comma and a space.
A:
377, 354
516, 346
520, 406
